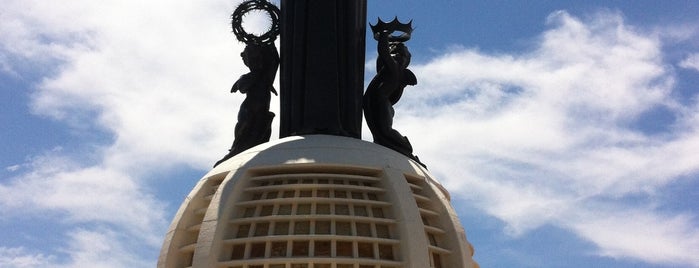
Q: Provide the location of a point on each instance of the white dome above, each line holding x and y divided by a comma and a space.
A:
317, 202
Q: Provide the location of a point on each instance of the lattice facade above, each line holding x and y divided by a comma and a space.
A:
267, 210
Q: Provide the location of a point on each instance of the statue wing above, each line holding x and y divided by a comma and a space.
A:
410, 78
242, 84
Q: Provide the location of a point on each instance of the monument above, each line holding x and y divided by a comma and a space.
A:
254, 125
322, 71
319, 197
387, 86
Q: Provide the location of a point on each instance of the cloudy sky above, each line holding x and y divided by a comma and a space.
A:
566, 131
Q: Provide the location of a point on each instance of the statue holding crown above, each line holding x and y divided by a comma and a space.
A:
260, 55
392, 76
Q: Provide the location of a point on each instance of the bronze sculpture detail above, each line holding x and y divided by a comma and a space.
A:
392, 76
322, 67
254, 125
321, 73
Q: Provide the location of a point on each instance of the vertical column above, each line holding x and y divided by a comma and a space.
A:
322, 67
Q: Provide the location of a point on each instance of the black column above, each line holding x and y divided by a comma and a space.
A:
322, 67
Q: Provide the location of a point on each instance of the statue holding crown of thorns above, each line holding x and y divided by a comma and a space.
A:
254, 125
392, 76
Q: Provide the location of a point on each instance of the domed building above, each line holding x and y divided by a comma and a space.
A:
319, 197
317, 201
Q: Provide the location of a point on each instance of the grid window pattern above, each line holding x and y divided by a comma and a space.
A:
330, 220
433, 232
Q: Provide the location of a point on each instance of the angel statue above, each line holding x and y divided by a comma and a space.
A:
387, 86
260, 55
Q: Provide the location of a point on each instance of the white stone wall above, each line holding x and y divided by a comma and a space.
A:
317, 202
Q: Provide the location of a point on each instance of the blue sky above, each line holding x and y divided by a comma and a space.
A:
566, 131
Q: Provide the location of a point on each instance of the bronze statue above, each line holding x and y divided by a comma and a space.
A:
254, 125
322, 68
387, 86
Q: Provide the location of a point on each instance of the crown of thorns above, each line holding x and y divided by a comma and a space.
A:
404, 29
249, 38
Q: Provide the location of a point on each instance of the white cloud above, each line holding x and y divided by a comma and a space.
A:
20, 258
90, 194
540, 135
691, 62
631, 233
13, 168
155, 76
108, 200
96, 248
86, 248
543, 135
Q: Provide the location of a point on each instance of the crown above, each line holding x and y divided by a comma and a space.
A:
256, 5
404, 30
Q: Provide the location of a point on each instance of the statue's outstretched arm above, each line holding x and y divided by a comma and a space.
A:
385, 51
